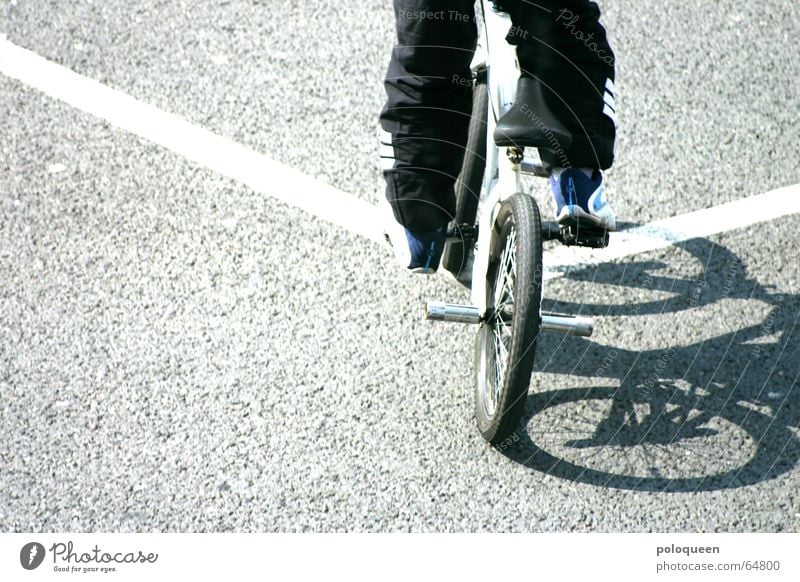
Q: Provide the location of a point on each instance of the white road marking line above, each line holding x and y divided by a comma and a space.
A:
199, 145
677, 229
324, 201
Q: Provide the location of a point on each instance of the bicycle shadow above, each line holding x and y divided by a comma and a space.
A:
715, 414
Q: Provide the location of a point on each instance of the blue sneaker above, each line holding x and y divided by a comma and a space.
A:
580, 199
417, 252
425, 250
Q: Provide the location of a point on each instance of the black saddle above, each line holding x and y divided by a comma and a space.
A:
529, 122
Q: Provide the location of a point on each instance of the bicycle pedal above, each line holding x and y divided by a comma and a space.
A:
550, 231
583, 236
464, 232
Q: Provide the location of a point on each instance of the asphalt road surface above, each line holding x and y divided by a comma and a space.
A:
179, 352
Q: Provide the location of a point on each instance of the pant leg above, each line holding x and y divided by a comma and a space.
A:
563, 43
426, 115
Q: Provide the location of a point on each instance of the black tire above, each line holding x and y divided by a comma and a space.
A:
513, 321
468, 184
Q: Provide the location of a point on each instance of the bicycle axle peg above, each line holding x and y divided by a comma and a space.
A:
567, 324
451, 312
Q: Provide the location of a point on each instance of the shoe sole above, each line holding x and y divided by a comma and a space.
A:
422, 271
577, 216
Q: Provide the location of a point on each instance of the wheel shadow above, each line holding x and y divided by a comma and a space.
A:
716, 414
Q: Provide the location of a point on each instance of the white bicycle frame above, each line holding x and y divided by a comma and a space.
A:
501, 178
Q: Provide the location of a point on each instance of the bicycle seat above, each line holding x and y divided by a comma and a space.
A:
529, 122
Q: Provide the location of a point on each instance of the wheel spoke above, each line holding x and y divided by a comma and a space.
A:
506, 274
502, 348
504, 298
498, 377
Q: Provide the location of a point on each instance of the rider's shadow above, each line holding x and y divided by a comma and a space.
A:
705, 415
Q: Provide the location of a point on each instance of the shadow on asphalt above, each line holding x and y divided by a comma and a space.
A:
712, 415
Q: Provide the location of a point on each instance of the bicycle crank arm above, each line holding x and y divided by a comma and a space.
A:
533, 168
555, 322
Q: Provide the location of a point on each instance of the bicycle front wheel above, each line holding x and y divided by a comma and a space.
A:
506, 341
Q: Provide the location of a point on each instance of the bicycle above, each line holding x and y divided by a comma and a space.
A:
499, 232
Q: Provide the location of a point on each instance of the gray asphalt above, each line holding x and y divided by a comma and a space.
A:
179, 353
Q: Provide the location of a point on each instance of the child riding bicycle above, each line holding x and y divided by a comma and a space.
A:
565, 95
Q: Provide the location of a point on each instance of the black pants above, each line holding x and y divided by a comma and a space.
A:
429, 95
